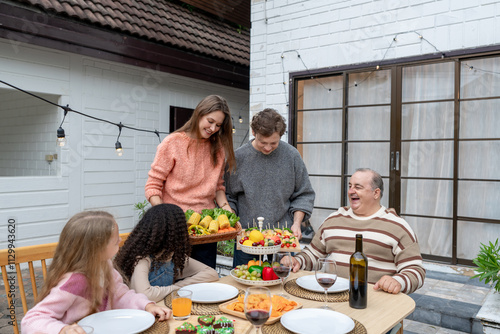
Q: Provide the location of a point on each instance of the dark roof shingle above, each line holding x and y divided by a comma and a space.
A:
159, 21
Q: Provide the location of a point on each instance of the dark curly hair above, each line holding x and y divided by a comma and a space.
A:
161, 233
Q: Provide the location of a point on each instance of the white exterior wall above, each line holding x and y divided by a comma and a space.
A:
332, 33
89, 173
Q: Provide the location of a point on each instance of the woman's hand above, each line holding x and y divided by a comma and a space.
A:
155, 200
163, 313
72, 329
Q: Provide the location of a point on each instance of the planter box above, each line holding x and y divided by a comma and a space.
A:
489, 314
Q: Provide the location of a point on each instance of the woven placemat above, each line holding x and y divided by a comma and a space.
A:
159, 327
200, 308
277, 328
294, 289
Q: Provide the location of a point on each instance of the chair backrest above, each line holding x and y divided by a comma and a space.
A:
14, 258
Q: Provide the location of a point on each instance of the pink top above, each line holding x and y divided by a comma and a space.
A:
66, 304
182, 173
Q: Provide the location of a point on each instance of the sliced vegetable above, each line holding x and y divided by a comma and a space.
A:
205, 222
197, 230
194, 219
223, 221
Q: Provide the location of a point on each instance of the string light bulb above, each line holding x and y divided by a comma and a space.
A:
118, 145
240, 119
119, 149
61, 137
234, 129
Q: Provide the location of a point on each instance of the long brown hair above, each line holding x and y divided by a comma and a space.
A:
81, 247
224, 137
160, 234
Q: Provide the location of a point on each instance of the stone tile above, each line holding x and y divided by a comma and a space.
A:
456, 323
473, 295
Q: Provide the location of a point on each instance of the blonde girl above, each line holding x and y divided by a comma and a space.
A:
81, 279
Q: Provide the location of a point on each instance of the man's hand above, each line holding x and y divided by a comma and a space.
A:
295, 265
162, 312
296, 230
387, 284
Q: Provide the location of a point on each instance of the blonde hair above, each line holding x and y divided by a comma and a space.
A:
81, 246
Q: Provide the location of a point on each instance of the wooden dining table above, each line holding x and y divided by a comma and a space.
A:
382, 313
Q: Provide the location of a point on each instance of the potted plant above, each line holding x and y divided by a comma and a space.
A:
488, 270
488, 264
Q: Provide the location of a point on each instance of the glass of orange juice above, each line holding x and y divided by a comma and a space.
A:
181, 304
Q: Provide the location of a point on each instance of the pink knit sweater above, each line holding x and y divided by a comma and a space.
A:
182, 173
66, 304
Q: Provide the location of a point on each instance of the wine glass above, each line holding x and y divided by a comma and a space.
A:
282, 264
326, 275
258, 306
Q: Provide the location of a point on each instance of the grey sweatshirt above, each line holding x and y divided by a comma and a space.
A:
272, 186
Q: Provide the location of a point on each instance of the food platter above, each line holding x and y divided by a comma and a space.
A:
271, 320
254, 283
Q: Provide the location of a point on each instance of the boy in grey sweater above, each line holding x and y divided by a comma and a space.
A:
270, 180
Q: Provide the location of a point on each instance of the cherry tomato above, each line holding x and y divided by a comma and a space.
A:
241, 241
287, 245
294, 245
282, 245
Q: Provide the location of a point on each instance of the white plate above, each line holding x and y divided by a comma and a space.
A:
315, 320
123, 321
211, 292
254, 283
309, 283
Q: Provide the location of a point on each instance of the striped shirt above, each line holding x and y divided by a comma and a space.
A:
389, 243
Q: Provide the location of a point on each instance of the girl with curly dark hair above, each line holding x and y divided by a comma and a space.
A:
155, 257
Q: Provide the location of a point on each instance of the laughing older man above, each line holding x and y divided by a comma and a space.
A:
394, 259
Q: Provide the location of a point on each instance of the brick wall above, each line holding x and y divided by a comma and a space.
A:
333, 33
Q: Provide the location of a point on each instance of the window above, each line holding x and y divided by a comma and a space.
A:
28, 135
430, 128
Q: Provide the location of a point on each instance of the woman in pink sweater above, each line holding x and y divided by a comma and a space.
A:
189, 166
81, 279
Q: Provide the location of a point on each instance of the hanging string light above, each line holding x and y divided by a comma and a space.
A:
240, 119
61, 136
118, 145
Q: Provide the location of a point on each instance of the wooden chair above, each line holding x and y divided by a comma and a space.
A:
10, 259
15, 258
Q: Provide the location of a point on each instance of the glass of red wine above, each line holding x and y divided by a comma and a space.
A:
258, 305
326, 275
282, 264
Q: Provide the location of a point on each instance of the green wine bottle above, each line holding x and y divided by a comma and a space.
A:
358, 276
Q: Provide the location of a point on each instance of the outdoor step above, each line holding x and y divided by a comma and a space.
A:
450, 301
415, 327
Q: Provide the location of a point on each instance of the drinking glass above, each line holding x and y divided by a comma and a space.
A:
258, 305
282, 264
181, 304
326, 275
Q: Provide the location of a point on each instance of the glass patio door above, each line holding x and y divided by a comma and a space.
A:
427, 153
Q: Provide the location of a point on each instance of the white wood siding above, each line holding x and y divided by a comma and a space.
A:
89, 173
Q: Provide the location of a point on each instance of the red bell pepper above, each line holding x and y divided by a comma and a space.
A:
268, 274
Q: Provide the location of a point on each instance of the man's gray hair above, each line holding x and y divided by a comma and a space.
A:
377, 181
